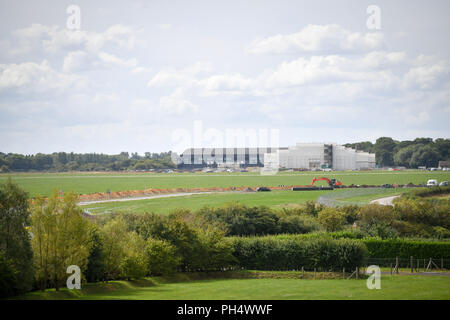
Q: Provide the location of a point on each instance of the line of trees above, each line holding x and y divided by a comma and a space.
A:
409, 153
389, 152
62, 161
40, 239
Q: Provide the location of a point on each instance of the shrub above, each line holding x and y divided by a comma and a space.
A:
331, 219
392, 248
8, 277
271, 253
162, 258
298, 224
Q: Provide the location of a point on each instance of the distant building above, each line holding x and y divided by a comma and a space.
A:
305, 156
320, 156
443, 164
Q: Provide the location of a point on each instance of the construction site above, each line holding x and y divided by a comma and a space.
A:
302, 156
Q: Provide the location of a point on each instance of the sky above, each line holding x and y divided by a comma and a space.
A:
137, 76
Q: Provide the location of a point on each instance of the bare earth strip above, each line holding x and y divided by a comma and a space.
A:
83, 203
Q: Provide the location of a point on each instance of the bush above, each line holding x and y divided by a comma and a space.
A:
392, 248
271, 253
8, 277
162, 259
331, 219
298, 224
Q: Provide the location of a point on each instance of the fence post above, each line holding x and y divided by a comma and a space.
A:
391, 269
303, 272
442, 263
357, 273
396, 265
314, 273
424, 265
412, 264
343, 273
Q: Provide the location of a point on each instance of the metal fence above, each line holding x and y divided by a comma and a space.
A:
412, 264
333, 199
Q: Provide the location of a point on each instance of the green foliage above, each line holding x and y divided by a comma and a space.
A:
8, 277
61, 237
95, 270
134, 264
114, 235
196, 245
384, 148
403, 248
15, 245
162, 258
377, 220
239, 219
62, 161
271, 253
331, 219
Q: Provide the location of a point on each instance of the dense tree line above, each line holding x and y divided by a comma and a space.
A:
411, 154
62, 161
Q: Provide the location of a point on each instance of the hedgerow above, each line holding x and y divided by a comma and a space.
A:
272, 253
402, 248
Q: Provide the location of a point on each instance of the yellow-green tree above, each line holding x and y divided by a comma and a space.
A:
331, 219
61, 237
113, 236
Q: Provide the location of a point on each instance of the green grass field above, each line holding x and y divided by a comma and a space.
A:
83, 183
276, 198
392, 287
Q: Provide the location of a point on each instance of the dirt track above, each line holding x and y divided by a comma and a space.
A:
387, 201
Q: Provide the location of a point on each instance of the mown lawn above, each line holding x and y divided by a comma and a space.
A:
194, 202
83, 183
392, 287
276, 198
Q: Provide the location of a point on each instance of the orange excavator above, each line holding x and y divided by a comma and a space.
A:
331, 182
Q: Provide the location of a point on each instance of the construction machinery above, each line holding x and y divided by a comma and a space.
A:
332, 183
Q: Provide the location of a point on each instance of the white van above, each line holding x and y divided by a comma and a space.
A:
432, 183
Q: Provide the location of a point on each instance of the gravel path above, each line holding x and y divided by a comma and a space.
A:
387, 201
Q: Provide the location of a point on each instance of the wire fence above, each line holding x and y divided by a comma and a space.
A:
335, 199
412, 264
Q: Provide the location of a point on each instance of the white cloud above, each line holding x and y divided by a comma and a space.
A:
165, 26
55, 38
35, 77
110, 59
318, 38
426, 72
76, 61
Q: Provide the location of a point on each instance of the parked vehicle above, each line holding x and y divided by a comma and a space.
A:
444, 183
432, 183
263, 189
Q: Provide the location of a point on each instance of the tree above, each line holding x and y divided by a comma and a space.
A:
15, 245
384, 149
95, 270
443, 146
134, 265
331, 219
61, 238
403, 156
162, 258
114, 234
425, 156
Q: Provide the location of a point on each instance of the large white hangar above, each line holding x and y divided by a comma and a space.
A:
305, 156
